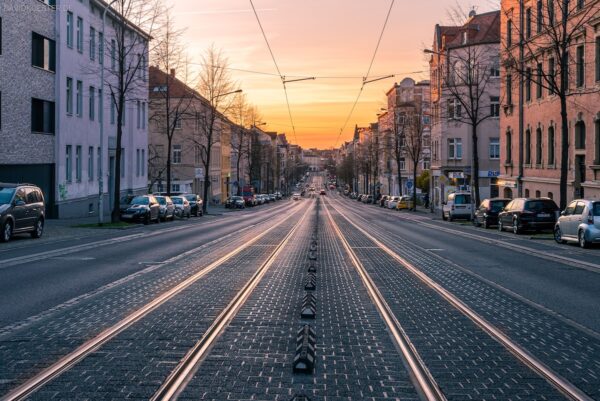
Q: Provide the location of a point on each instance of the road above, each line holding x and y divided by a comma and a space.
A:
405, 307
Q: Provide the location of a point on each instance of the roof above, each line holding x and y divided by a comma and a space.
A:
177, 88
480, 28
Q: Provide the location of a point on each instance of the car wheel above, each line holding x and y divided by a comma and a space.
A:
39, 229
485, 224
6, 232
515, 227
582, 241
450, 217
147, 219
500, 225
558, 235
158, 219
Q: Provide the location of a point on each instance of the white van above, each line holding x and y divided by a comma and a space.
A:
458, 206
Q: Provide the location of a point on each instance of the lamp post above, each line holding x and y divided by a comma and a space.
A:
101, 147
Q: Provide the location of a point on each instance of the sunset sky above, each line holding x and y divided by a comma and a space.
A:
332, 40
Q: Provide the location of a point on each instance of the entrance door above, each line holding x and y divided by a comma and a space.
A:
579, 176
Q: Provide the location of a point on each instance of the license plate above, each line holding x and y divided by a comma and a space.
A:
127, 216
543, 215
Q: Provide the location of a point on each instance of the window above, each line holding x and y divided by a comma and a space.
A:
78, 163
79, 109
580, 135
43, 52
143, 115
99, 161
509, 33
178, 122
91, 163
113, 55
92, 43
69, 163
176, 154
538, 146
494, 106
138, 114
69, 96
580, 4
528, 23
552, 74
101, 48
528, 84
509, 89
137, 162
143, 162
42, 116
508, 147
540, 16
455, 149
175, 188
551, 150
495, 69
540, 76
598, 58
580, 77
79, 34
494, 148
402, 164
92, 105
551, 20
538, 194
454, 109
528, 147
597, 143
70, 29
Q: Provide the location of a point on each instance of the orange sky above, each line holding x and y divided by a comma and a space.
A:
329, 39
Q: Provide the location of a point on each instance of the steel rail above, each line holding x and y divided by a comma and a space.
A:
68, 361
423, 377
559, 382
186, 368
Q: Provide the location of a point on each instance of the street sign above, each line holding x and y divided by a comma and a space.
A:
409, 184
199, 172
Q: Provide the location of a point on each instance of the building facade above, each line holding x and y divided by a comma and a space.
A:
457, 50
531, 126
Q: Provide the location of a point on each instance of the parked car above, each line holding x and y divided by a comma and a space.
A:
523, 214
486, 215
580, 222
404, 203
182, 207
457, 206
235, 202
392, 202
383, 200
278, 195
144, 208
124, 202
367, 199
322, 192
195, 204
272, 197
296, 196
22, 210
167, 208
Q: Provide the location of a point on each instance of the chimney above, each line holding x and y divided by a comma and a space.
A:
173, 72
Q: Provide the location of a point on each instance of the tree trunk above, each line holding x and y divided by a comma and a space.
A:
116, 212
475, 168
415, 165
169, 145
206, 179
564, 152
399, 175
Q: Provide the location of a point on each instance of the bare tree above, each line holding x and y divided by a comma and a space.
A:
398, 142
560, 27
414, 144
172, 100
242, 114
134, 22
216, 85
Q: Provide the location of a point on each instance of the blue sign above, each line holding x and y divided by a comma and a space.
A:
409, 184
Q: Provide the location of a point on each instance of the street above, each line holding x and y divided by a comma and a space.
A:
405, 307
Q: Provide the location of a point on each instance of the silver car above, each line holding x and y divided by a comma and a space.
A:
182, 207
167, 208
580, 222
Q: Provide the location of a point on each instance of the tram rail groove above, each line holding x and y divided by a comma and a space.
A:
188, 365
424, 380
560, 383
65, 363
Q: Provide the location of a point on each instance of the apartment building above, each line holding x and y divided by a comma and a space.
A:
531, 124
457, 50
28, 97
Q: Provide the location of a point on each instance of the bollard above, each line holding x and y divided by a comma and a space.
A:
306, 341
309, 306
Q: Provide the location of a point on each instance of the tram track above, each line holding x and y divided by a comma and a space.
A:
525, 357
65, 363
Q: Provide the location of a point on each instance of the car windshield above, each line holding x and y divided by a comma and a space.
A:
161, 200
191, 198
462, 199
140, 200
177, 201
540, 206
595, 208
6, 195
497, 206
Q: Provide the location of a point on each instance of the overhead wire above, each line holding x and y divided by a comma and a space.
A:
367, 74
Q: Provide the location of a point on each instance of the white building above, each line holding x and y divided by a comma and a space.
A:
81, 53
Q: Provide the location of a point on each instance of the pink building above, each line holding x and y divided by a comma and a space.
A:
531, 114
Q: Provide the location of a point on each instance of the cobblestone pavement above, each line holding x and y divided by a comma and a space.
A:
33, 345
355, 356
571, 352
466, 363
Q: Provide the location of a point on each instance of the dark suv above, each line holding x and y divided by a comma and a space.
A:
21, 210
144, 208
528, 214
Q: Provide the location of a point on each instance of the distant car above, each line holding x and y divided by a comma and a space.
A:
405, 202
144, 208
383, 200
22, 210
182, 207
457, 206
523, 214
235, 202
278, 195
367, 199
580, 222
167, 208
296, 196
322, 192
486, 214
272, 198
195, 204
392, 202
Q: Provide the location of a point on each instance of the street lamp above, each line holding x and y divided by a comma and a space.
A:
228, 93
100, 173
